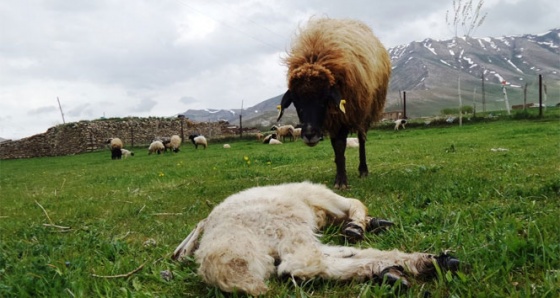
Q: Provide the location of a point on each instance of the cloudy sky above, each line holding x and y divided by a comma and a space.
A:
116, 58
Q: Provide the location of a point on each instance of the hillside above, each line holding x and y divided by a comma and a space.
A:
429, 71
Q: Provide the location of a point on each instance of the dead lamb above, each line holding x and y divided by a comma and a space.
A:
272, 231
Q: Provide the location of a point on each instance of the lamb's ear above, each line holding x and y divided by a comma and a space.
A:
286, 102
337, 99
190, 244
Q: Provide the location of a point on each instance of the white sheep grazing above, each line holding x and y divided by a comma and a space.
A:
297, 133
126, 153
274, 142
284, 131
227, 146
400, 122
198, 140
352, 143
269, 137
156, 147
272, 230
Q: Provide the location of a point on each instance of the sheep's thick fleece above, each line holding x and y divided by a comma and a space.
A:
346, 54
338, 74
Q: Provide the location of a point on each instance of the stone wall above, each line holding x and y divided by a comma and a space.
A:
86, 136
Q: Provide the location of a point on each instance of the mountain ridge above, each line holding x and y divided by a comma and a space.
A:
430, 72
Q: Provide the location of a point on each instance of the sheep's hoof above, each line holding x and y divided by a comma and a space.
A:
377, 225
341, 182
340, 186
393, 276
353, 232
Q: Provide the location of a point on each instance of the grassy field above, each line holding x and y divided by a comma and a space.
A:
444, 188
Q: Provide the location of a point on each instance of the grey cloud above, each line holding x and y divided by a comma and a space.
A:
42, 110
188, 100
145, 105
80, 110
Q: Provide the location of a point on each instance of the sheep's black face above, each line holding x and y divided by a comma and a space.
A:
311, 113
311, 106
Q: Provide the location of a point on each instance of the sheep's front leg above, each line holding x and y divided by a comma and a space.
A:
338, 143
362, 168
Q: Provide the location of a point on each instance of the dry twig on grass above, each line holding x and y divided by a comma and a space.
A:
121, 275
56, 226
45, 211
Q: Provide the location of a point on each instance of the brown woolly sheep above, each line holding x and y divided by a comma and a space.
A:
338, 73
115, 144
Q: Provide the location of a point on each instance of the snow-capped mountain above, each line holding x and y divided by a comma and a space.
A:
430, 70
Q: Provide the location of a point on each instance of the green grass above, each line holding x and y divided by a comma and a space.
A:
444, 187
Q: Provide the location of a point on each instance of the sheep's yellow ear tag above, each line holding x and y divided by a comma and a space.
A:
279, 108
341, 105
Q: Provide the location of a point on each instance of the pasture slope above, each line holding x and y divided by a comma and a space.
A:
66, 223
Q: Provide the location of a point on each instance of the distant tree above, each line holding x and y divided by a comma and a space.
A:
450, 111
467, 109
465, 16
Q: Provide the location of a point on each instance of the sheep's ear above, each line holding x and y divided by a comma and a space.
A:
336, 97
286, 102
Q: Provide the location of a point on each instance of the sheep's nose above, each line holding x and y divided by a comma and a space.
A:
310, 135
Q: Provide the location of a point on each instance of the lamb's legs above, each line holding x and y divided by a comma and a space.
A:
344, 263
344, 209
413, 263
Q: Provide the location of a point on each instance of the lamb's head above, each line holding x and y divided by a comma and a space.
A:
311, 90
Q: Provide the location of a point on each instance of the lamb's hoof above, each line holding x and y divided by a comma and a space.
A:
448, 262
394, 276
377, 225
353, 232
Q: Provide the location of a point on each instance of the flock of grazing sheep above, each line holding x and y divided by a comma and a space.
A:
338, 74
158, 145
